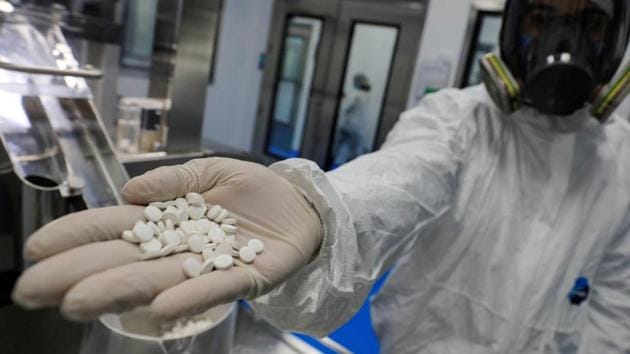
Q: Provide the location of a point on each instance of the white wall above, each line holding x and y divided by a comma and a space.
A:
232, 99
442, 40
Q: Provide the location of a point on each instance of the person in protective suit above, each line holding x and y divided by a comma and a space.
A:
503, 210
350, 140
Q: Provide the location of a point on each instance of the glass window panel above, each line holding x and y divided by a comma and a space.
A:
364, 88
486, 42
293, 88
139, 33
294, 50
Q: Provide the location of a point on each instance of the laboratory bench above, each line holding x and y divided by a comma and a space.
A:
138, 164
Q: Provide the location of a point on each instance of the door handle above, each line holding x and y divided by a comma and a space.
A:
87, 72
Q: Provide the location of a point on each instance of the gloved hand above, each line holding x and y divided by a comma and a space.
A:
85, 268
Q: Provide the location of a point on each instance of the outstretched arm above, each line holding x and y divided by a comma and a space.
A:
373, 210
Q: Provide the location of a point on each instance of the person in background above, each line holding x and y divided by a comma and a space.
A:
350, 142
508, 231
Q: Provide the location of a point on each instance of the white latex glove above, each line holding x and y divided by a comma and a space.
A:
85, 268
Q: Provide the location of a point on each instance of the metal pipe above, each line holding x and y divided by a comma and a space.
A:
87, 72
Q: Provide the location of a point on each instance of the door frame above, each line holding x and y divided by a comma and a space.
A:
282, 12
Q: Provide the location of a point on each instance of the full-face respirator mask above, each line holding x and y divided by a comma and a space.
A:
559, 56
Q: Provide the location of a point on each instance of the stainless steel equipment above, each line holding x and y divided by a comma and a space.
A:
195, 53
176, 42
55, 155
182, 57
55, 158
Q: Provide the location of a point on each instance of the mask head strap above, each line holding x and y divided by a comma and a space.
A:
611, 95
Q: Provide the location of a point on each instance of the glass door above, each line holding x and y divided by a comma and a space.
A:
297, 61
372, 64
367, 74
337, 78
295, 80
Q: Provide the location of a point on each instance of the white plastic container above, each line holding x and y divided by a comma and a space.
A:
136, 333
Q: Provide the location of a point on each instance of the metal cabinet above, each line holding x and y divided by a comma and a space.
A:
337, 77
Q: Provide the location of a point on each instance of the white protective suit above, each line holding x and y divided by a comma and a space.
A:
488, 220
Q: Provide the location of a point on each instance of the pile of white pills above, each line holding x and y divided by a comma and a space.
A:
191, 225
186, 327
